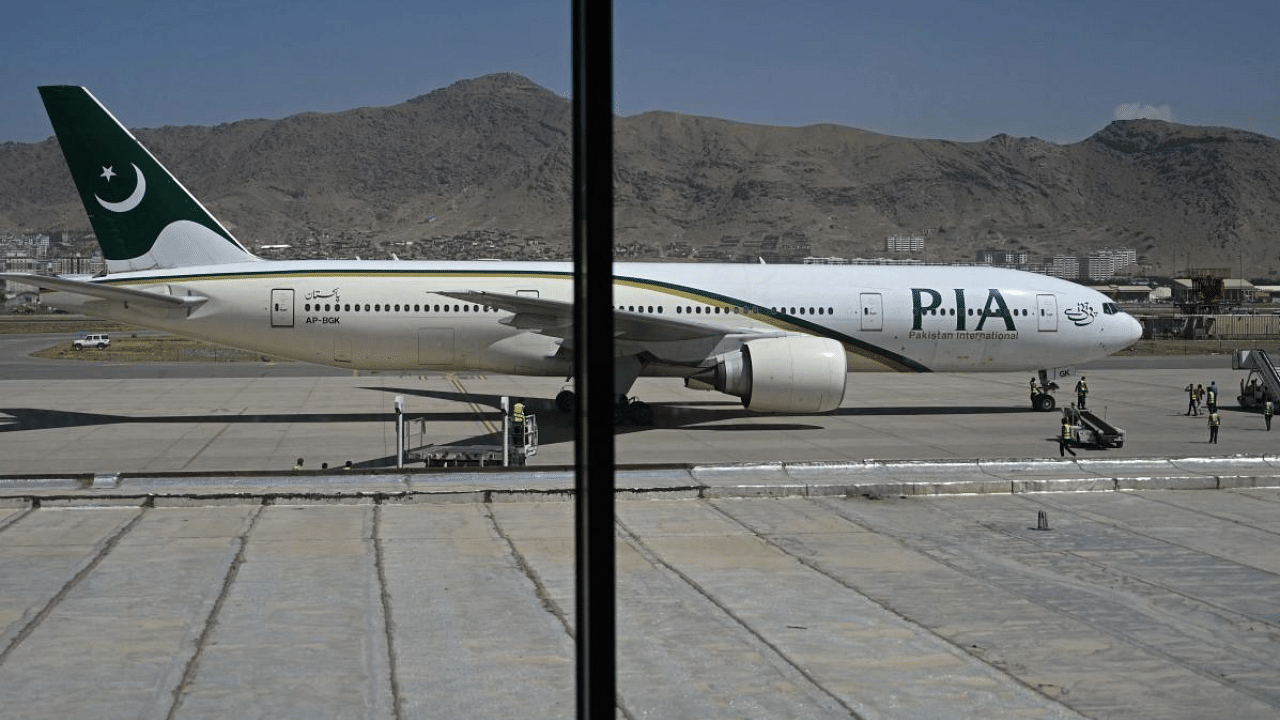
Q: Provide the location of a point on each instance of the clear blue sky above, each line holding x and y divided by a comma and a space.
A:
1058, 70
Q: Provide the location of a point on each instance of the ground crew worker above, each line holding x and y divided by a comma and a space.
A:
1082, 390
517, 423
298, 465
1199, 398
1268, 409
1214, 421
1072, 414
1035, 390
1064, 437
1211, 397
1191, 400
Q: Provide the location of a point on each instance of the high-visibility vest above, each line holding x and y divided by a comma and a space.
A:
1268, 409
1214, 420
1067, 429
517, 413
1213, 398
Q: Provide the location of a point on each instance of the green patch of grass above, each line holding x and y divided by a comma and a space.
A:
126, 343
70, 324
159, 348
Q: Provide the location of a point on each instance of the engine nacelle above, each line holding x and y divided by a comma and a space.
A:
797, 373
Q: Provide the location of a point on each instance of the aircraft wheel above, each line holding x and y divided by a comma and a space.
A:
564, 401
640, 413
1044, 403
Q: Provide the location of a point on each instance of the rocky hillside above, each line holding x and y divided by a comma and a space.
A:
483, 167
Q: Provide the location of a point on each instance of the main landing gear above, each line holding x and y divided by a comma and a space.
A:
1043, 402
626, 411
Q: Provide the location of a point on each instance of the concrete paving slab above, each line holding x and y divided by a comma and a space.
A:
462, 604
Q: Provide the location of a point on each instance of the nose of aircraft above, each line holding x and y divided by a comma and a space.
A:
1129, 331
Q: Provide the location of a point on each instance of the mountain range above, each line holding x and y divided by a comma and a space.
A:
483, 168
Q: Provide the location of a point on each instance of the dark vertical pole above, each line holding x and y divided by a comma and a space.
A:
593, 355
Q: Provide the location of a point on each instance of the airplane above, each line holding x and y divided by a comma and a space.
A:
782, 338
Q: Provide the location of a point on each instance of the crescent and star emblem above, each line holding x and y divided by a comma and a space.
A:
130, 202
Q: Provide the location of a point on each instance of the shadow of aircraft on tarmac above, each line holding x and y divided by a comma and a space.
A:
554, 426
704, 416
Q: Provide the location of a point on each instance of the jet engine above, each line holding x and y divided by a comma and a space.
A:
797, 373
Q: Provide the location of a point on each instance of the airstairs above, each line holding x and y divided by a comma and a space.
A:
1263, 382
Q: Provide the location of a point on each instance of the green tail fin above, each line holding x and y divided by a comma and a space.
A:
143, 217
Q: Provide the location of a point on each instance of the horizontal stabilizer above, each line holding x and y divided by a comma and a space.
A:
106, 292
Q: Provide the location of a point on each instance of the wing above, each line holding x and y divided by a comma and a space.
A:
665, 338
127, 296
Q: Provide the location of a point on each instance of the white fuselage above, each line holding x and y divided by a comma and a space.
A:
387, 315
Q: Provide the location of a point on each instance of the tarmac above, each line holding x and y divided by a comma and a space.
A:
920, 553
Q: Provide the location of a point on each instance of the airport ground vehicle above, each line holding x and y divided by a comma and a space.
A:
101, 342
1089, 430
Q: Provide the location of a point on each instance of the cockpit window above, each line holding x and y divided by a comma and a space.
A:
1110, 308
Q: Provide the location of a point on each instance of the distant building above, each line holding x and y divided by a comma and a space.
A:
1097, 267
989, 256
1121, 258
1235, 291
1126, 293
1064, 266
25, 264
904, 244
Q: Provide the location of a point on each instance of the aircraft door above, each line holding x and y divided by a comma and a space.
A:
872, 311
282, 307
1047, 308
